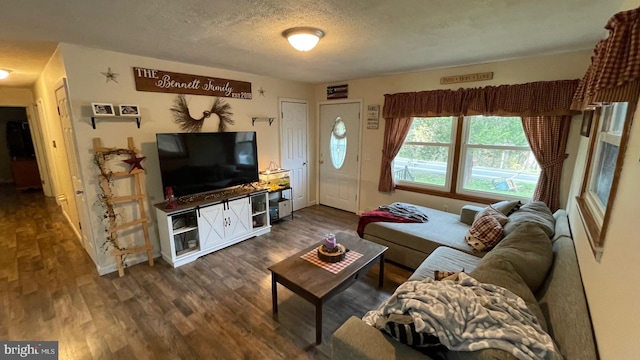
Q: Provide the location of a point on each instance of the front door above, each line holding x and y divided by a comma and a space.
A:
77, 202
339, 147
294, 149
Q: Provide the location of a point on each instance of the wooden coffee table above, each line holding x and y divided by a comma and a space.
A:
318, 285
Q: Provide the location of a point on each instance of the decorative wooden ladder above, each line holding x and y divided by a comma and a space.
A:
110, 200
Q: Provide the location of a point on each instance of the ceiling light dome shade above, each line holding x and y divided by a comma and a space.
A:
4, 73
303, 38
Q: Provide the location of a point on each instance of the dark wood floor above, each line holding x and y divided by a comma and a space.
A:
218, 307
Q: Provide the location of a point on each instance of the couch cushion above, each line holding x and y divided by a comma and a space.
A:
535, 212
528, 249
501, 273
563, 302
445, 259
485, 232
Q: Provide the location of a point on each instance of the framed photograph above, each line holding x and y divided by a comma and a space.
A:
129, 110
587, 117
102, 109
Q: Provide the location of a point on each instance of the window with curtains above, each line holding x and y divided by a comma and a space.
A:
490, 153
600, 179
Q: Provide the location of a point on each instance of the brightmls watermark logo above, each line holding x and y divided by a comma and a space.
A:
43, 350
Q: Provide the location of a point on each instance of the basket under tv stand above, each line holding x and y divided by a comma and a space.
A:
204, 223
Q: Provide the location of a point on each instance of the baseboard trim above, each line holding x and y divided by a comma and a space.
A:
130, 261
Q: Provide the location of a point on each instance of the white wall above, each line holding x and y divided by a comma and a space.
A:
87, 84
372, 90
53, 140
611, 284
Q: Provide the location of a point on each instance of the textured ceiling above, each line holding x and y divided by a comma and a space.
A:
363, 37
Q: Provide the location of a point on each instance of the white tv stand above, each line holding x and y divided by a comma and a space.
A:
206, 223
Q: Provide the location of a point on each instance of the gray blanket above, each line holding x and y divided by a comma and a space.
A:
467, 316
405, 211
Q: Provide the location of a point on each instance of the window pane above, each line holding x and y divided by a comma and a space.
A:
603, 177
338, 143
422, 164
510, 172
496, 130
618, 117
430, 130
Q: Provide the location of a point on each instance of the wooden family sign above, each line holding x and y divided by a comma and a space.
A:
177, 83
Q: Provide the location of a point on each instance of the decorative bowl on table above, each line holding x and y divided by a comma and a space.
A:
331, 255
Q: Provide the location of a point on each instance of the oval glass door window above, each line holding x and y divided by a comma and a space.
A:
338, 143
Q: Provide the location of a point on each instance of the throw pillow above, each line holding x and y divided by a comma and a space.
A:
402, 328
502, 218
507, 207
439, 275
484, 233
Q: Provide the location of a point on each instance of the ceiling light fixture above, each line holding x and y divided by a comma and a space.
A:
4, 73
303, 38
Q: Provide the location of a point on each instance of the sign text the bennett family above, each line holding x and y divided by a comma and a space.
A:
177, 83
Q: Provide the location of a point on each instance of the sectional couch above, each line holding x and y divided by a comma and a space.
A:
536, 261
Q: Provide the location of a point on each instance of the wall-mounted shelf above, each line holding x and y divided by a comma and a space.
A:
254, 119
93, 119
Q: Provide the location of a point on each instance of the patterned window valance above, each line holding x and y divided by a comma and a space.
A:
614, 73
542, 98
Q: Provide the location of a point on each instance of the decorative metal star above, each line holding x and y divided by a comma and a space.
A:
111, 76
261, 91
134, 162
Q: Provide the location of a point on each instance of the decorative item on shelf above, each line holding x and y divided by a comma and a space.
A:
102, 109
255, 118
129, 110
106, 110
331, 251
171, 199
274, 177
182, 117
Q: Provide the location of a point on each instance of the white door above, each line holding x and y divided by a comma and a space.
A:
294, 149
339, 147
79, 206
211, 226
36, 135
48, 148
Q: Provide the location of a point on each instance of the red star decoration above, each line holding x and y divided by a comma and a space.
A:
134, 162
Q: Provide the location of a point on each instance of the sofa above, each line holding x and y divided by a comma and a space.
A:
536, 260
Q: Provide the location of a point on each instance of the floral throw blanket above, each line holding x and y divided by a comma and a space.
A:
467, 316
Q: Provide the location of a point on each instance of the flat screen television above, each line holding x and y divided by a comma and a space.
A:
193, 163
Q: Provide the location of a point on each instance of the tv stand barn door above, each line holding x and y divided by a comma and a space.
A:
187, 234
211, 226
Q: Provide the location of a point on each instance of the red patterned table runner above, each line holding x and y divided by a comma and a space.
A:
350, 257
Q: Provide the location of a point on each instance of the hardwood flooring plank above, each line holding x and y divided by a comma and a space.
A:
218, 307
